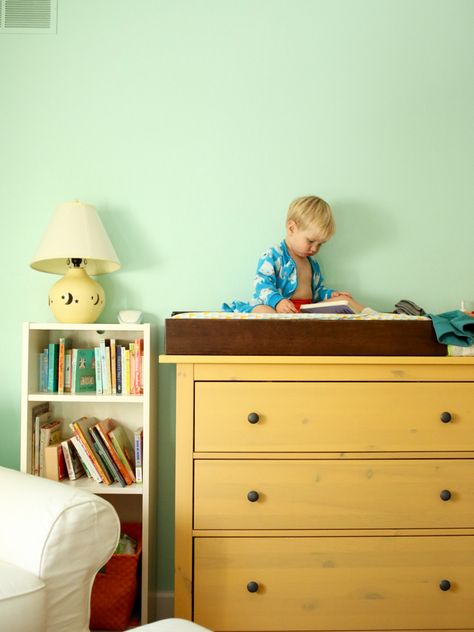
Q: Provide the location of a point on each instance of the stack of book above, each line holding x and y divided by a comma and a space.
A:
103, 451
112, 368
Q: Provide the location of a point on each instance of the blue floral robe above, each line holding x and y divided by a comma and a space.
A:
276, 278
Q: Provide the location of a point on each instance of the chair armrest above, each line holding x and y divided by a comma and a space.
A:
61, 534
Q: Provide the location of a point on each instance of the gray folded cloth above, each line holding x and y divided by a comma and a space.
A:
408, 307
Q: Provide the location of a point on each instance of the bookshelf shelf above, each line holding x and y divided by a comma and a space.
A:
84, 397
133, 503
104, 490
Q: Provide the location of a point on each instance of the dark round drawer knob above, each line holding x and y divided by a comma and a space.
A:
253, 496
253, 418
445, 584
445, 417
253, 587
445, 494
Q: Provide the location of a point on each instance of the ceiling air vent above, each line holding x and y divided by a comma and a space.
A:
28, 16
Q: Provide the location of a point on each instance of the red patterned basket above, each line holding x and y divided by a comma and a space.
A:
115, 587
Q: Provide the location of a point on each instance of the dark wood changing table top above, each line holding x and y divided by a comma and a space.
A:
300, 337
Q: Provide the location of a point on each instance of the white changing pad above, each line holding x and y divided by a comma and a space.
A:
367, 314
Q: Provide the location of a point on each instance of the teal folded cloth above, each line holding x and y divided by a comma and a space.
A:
453, 328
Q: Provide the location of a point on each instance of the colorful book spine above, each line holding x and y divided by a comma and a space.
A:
80, 428
67, 370
108, 367
118, 369
102, 451
73, 368
61, 365
104, 427
84, 371
105, 364
102, 365
53, 353
74, 465
98, 371
86, 461
124, 449
113, 366
92, 461
132, 367
126, 368
40, 372
138, 346
44, 372
138, 447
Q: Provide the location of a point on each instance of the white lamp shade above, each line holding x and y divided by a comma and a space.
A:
75, 231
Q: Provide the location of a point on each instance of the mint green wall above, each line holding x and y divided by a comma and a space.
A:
191, 124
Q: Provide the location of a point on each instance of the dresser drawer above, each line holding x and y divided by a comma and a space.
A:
344, 583
332, 416
332, 494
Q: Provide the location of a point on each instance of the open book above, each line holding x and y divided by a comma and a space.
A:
327, 307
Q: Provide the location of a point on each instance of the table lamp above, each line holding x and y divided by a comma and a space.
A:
75, 244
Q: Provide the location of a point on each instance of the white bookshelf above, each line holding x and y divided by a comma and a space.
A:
134, 503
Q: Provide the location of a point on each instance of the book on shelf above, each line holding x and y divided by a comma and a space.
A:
104, 346
138, 379
118, 368
53, 354
63, 348
106, 457
86, 460
138, 448
50, 432
39, 414
126, 369
40, 371
54, 463
327, 307
67, 370
80, 428
124, 449
113, 366
98, 372
40, 421
131, 361
74, 465
83, 371
104, 428
43, 371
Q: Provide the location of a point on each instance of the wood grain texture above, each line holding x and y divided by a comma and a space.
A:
332, 416
195, 336
345, 583
349, 456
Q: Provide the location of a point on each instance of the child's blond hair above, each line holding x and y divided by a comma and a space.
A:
310, 210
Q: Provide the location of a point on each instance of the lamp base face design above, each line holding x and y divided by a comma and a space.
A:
76, 298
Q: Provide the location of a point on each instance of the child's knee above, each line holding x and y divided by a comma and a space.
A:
263, 309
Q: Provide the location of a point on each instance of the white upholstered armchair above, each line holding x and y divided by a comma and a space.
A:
53, 540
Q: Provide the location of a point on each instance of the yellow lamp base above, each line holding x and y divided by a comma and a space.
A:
76, 298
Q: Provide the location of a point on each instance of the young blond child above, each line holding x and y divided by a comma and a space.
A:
288, 275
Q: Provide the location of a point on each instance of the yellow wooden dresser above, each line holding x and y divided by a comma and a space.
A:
325, 493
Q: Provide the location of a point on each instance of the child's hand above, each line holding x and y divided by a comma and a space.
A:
285, 306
